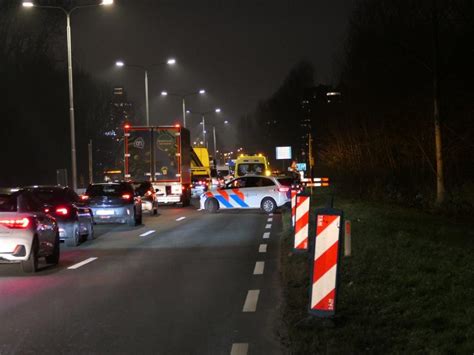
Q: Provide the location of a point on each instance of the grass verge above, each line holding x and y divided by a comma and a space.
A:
408, 286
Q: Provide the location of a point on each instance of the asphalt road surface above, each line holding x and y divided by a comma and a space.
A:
185, 282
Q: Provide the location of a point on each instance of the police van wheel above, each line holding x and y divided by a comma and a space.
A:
212, 205
268, 205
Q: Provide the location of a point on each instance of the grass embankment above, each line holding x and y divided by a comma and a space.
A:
408, 286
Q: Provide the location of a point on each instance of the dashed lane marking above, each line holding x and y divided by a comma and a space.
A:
270, 214
266, 235
259, 266
270, 220
180, 218
82, 263
251, 301
262, 248
147, 233
239, 349
268, 226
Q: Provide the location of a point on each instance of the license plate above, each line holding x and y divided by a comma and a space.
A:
105, 212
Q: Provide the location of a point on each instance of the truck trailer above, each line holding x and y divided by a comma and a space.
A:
162, 155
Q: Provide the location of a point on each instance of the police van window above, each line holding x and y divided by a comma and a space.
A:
239, 183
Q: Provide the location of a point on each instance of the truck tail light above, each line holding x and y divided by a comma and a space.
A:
21, 223
62, 211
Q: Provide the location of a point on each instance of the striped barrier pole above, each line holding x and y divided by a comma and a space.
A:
347, 239
302, 222
293, 207
325, 259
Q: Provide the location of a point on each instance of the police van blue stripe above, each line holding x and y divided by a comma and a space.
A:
223, 201
239, 201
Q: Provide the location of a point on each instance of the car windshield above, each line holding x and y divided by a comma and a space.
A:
51, 196
7, 203
106, 190
251, 168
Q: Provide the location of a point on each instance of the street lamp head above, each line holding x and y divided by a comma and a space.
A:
107, 2
218, 110
226, 122
28, 4
187, 111
164, 93
202, 91
171, 61
119, 63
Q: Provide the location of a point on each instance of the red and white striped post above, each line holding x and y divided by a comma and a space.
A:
325, 262
293, 207
302, 222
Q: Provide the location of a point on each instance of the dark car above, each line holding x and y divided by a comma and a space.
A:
115, 202
73, 217
147, 194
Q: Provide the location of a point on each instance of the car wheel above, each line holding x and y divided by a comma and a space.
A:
31, 265
90, 232
155, 211
140, 219
268, 205
73, 240
212, 205
54, 257
132, 220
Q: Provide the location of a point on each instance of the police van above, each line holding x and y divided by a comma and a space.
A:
252, 165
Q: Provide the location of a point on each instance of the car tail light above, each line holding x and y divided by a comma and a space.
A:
149, 193
84, 197
126, 196
46, 210
62, 211
283, 189
22, 223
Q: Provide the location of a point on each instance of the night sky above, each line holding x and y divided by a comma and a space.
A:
238, 50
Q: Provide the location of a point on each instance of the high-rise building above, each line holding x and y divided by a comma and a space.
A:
315, 106
110, 149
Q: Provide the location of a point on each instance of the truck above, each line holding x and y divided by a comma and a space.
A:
161, 155
203, 170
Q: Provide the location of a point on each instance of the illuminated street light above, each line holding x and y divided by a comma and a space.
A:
218, 110
170, 61
183, 97
68, 12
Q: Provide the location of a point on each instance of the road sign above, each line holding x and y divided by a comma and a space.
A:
302, 219
293, 207
325, 262
283, 153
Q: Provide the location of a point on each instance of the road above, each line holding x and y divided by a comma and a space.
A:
185, 282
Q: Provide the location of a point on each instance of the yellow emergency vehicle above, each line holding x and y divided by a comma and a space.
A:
252, 165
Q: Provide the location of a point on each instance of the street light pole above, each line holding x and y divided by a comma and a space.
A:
71, 102
215, 143
147, 106
29, 4
184, 111
204, 130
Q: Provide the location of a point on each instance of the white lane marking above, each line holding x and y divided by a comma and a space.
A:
147, 233
266, 235
270, 214
82, 263
268, 226
259, 266
262, 248
180, 218
239, 349
251, 300
270, 220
